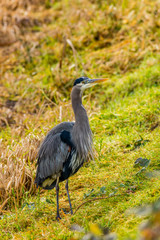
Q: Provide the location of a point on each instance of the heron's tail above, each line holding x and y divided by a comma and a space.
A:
49, 187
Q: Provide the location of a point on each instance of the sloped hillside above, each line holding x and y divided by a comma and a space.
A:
44, 46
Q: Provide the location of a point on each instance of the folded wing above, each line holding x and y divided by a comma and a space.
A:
51, 156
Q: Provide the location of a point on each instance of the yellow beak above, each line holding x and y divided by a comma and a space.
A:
98, 80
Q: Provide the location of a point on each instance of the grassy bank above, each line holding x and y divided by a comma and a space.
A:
116, 40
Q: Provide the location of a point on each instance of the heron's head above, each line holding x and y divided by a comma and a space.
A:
84, 82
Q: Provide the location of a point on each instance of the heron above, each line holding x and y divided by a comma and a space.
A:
66, 146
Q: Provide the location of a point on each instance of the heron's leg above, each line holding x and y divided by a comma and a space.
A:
57, 199
68, 196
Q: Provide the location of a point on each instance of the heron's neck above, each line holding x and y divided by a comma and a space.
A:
81, 134
78, 108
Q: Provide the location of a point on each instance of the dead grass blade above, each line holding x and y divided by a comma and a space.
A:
4, 203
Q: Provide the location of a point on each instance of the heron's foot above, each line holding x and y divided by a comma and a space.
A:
67, 211
58, 217
71, 211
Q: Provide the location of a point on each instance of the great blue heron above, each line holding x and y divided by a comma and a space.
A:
67, 145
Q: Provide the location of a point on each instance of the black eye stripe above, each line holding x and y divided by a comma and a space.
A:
79, 80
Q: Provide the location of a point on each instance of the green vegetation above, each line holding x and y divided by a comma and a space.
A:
118, 40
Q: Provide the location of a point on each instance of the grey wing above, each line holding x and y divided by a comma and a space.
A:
68, 126
52, 154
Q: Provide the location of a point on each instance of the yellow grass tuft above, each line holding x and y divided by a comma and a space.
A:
17, 171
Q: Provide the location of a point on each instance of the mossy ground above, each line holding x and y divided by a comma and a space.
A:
119, 41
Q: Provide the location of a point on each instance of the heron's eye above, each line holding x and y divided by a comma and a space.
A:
86, 81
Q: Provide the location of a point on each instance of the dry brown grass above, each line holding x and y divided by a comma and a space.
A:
17, 170
17, 158
15, 17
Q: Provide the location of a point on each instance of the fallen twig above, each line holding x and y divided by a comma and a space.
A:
95, 199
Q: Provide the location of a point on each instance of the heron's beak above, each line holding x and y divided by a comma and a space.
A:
98, 80
91, 82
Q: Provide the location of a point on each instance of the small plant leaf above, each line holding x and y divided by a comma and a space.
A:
88, 194
29, 206
122, 185
143, 162
113, 193
140, 142
103, 190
